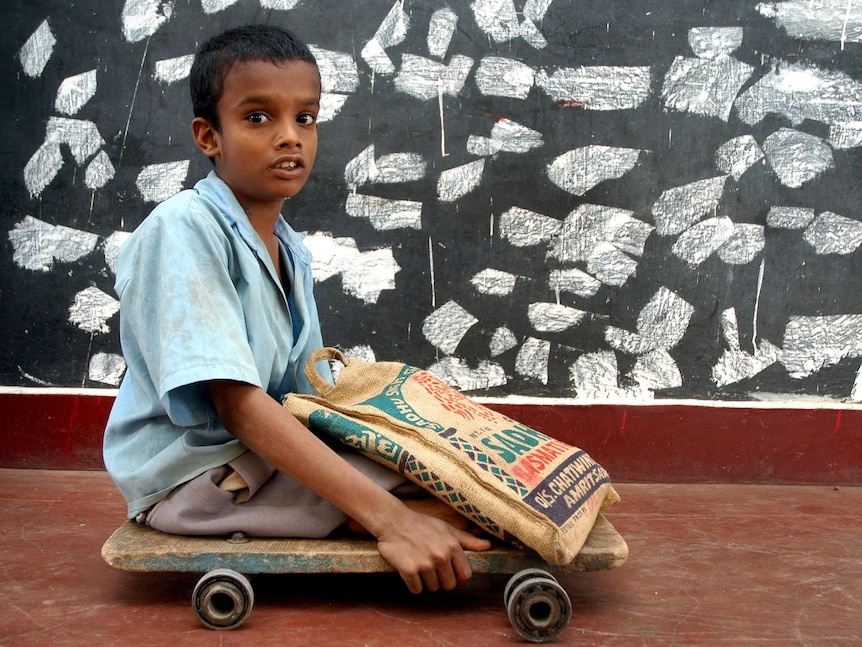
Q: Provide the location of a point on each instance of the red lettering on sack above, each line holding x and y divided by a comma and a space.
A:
451, 400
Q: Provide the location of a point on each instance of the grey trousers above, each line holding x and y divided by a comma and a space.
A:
273, 505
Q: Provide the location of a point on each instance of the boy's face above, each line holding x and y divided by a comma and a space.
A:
268, 139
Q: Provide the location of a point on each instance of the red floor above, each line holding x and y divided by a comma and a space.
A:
709, 565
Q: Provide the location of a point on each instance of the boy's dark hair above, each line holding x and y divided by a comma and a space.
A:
216, 56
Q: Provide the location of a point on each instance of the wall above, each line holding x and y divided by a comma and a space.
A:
625, 201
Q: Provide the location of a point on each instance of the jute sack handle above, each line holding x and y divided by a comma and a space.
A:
320, 385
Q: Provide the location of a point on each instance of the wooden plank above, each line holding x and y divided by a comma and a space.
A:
134, 547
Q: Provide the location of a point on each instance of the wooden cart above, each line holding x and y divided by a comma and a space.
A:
537, 605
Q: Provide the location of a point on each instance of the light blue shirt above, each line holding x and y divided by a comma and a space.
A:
200, 300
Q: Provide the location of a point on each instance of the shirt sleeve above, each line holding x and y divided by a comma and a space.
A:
181, 308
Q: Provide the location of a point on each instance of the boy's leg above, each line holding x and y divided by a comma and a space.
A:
273, 505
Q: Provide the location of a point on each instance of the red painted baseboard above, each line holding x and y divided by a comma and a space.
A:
660, 442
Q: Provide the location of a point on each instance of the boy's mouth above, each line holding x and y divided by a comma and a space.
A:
289, 165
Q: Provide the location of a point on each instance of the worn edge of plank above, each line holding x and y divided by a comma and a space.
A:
135, 547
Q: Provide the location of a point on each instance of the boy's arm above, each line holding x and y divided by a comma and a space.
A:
423, 549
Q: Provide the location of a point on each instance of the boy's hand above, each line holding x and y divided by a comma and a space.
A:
428, 551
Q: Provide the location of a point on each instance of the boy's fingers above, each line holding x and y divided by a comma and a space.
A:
470, 541
413, 582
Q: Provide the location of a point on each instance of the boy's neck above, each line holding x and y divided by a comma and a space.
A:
263, 220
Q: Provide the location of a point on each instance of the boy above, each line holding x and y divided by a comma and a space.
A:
218, 320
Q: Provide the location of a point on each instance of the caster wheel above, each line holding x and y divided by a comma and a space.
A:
539, 608
223, 599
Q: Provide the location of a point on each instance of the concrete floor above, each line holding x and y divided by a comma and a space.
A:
709, 565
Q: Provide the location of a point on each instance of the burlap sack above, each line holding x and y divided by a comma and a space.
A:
519, 485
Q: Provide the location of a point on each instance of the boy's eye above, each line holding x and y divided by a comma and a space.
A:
307, 119
257, 118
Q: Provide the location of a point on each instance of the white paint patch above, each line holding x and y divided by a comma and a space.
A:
330, 105
655, 370
800, 91
279, 5
830, 20
497, 76
385, 214
525, 228
364, 275
361, 169
42, 168
362, 351
846, 135
610, 265
83, 140
37, 51
531, 34
214, 6
392, 31
595, 376
574, 281
797, 157
736, 156
497, 18
680, 207
700, 241
502, 340
377, 59
494, 282
532, 359
834, 234
704, 87
455, 372
172, 70
598, 87
730, 328
590, 225
506, 136
856, 391
440, 31
789, 217
535, 10
747, 241
82, 137
396, 168
445, 327
338, 71
111, 248
143, 18
660, 325
812, 343
713, 42
74, 92
426, 79
99, 171
158, 182
106, 368
457, 182
91, 310
553, 317
581, 169
389, 169
735, 364
37, 245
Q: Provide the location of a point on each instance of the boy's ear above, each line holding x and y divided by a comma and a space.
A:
206, 136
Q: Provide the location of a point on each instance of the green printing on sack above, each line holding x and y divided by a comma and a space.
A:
354, 434
392, 403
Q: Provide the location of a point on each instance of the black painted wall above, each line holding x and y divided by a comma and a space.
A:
727, 188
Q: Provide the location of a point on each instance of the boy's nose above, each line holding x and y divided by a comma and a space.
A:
288, 137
